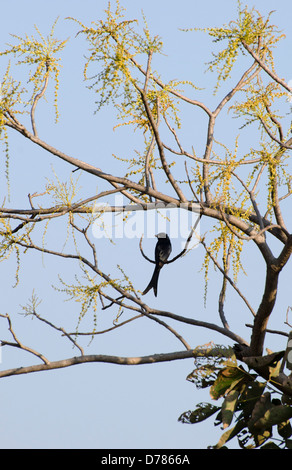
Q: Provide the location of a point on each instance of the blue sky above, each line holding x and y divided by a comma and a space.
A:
102, 405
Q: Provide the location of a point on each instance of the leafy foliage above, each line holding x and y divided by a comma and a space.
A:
246, 401
40, 53
250, 28
115, 43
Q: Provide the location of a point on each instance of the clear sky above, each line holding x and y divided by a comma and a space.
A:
102, 405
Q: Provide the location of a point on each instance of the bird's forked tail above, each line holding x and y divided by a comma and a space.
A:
153, 282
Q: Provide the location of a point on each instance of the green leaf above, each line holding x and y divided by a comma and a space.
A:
288, 443
228, 407
226, 380
285, 429
250, 396
274, 415
270, 445
203, 376
262, 436
262, 405
252, 440
229, 434
202, 412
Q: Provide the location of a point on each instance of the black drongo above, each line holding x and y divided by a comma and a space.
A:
162, 252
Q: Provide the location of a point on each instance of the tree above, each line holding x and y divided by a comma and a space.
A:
242, 194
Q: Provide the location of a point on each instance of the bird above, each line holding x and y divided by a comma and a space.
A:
162, 252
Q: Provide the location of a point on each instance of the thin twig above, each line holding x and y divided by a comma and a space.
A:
249, 237
272, 74
160, 147
38, 97
222, 294
271, 135
172, 330
148, 70
228, 278
275, 121
18, 344
64, 333
252, 198
190, 184
275, 332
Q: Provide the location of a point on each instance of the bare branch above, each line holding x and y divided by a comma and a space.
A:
269, 298
148, 70
249, 237
222, 294
171, 90
227, 277
160, 147
275, 121
252, 198
274, 138
64, 333
94, 170
245, 78
272, 74
275, 197
274, 332
172, 330
191, 321
95, 358
208, 161
190, 184
107, 330
38, 97
18, 344
210, 134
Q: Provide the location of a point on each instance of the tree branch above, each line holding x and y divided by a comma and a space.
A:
38, 97
268, 300
273, 75
160, 147
93, 170
19, 345
228, 278
96, 358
